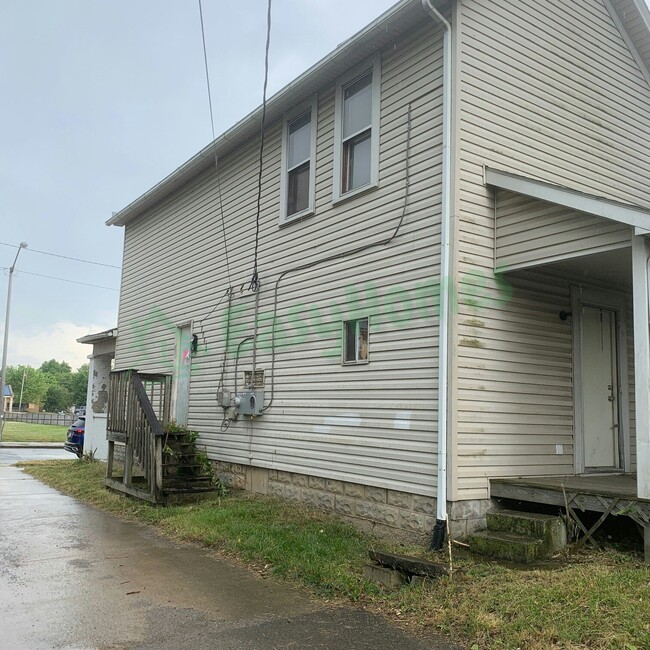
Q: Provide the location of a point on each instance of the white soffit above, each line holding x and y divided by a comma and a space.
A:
594, 205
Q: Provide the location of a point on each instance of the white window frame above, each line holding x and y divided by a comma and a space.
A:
373, 64
357, 361
310, 105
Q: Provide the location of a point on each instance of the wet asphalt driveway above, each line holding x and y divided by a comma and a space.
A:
74, 577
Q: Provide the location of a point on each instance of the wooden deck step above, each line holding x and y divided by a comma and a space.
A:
181, 479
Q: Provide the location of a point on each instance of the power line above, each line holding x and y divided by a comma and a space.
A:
254, 285
65, 257
51, 277
216, 161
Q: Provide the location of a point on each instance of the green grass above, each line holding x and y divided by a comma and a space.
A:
594, 600
26, 432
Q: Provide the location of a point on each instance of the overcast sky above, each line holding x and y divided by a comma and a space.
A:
100, 101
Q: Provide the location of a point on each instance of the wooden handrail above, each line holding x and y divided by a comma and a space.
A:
138, 411
145, 405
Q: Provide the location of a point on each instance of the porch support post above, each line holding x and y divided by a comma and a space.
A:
640, 256
97, 405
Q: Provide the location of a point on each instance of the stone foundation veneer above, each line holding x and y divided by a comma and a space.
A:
388, 513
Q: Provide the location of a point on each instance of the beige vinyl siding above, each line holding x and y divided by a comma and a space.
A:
530, 232
515, 366
548, 90
372, 424
515, 381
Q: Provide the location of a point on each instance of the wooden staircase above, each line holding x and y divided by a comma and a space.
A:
160, 462
186, 470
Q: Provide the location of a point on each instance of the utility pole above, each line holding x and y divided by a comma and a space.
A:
3, 374
22, 387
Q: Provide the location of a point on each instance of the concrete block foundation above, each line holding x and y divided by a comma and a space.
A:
401, 516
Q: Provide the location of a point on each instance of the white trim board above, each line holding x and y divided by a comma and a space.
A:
587, 203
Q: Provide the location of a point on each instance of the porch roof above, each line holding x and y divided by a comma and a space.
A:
624, 213
98, 337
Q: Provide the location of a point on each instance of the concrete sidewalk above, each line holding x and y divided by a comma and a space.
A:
31, 445
75, 577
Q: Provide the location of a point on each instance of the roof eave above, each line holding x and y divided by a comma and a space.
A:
99, 336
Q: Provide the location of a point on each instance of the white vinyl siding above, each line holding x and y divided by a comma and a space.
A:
548, 91
373, 423
530, 232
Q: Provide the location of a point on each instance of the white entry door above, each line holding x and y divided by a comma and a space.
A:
182, 366
600, 389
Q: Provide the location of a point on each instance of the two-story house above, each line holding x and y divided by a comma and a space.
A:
448, 233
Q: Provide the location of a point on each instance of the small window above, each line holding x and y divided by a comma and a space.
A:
355, 341
357, 131
298, 175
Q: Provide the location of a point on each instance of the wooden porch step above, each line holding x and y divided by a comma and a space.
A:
185, 481
188, 490
181, 464
177, 496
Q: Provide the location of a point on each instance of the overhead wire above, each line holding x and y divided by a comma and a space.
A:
254, 284
216, 159
52, 277
65, 257
227, 292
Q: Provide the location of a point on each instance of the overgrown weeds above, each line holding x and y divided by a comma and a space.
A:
593, 600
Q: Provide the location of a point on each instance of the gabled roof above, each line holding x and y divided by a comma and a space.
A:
632, 18
7, 391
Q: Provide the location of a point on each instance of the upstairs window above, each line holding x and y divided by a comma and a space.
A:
357, 131
298, 173
355, 341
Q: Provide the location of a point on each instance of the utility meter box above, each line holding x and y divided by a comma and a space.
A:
251, 402
224, 399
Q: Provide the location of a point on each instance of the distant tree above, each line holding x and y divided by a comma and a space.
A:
35, 386
57, 398
53, 367
57, 373
53, 386
79, 385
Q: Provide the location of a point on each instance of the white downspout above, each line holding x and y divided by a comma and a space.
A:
445, 278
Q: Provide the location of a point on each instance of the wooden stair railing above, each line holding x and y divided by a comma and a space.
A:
138, 410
